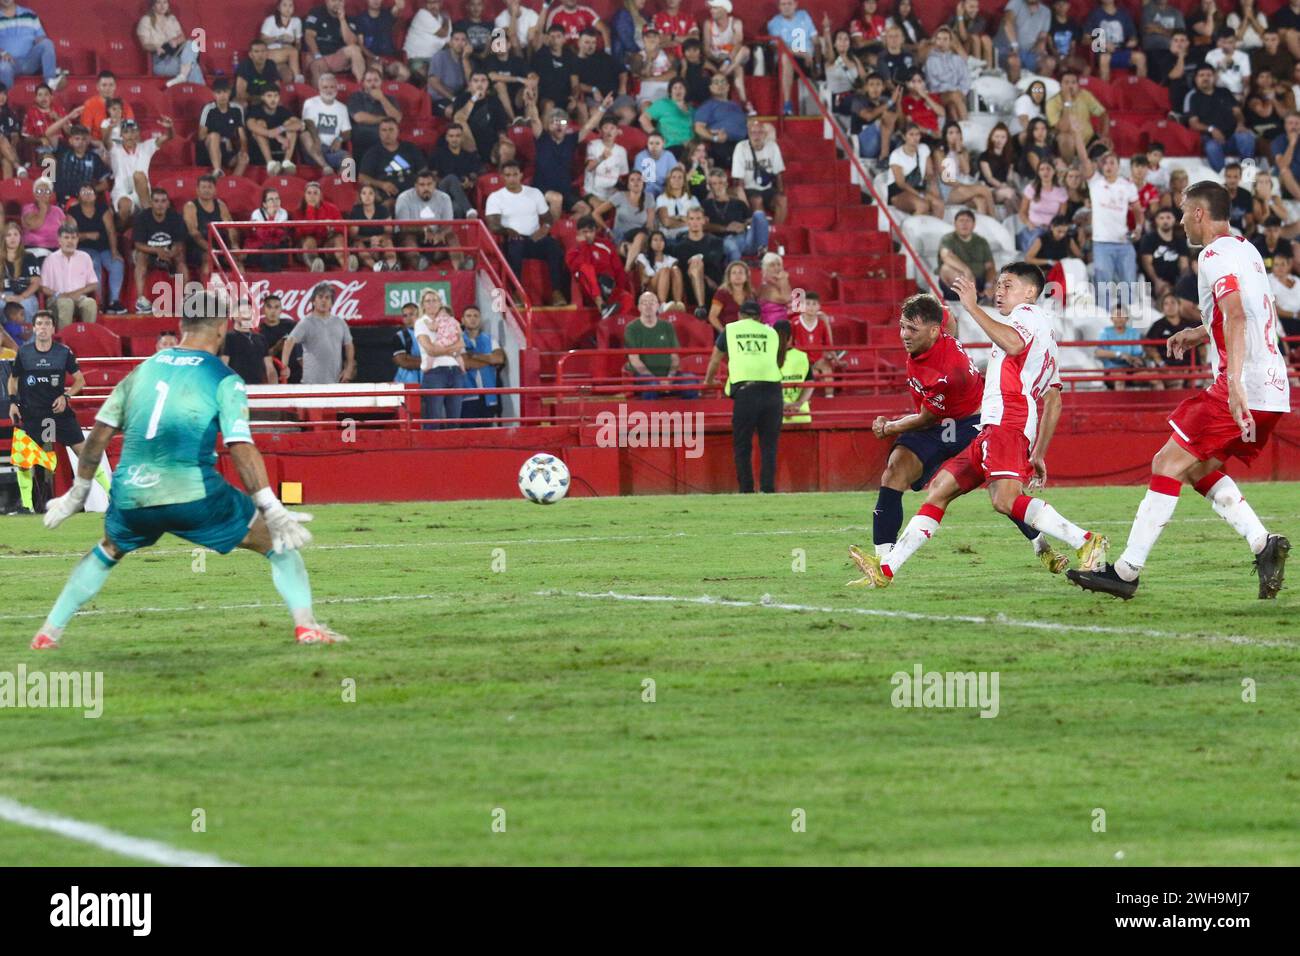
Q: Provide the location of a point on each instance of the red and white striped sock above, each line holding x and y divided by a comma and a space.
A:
1222, 492
918, 531
1153, 514
1041, 516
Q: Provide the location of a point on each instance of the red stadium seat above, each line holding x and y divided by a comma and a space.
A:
74, 56
1102, 90
414, 104
423, 135
487, 184
15, 193
176, 153
75, 92
219, 57
146, 97
1140, 94
633, 140
88, 339
121, 53
240, 194
339, 191
1177, 139
293, 95
185, 105
181, 184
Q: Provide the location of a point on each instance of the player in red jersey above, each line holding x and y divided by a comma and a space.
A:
574, 19
1233, 418
1022, 369
947, 390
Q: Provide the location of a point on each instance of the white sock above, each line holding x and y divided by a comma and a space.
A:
1153, 514
882, 551
1041, 544
918, 531
1229, 505
1043, 517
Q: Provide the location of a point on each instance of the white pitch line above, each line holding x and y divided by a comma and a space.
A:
151, 851
253, 605
999, 620
593, 539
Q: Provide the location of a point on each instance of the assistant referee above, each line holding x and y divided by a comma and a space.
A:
753, 353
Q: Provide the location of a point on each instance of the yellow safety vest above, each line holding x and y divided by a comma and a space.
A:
795, 372
751, 353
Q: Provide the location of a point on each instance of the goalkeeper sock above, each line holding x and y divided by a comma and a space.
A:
1222, 492
289, 574
1154, 513
24, 476
886, 519
83, 584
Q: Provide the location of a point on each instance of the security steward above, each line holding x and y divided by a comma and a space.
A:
796, 370
753, 353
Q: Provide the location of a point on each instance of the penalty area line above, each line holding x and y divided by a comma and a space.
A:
997, 620
137, 848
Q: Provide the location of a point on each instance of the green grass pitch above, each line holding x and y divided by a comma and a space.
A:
499, 714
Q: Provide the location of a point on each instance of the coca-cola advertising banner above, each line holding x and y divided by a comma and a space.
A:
362, 298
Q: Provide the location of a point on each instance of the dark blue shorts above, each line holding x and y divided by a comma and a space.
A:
220, 521
928, 445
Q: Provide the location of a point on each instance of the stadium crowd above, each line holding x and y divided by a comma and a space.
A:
627, 156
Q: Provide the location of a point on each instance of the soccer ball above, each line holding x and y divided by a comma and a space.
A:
544, 479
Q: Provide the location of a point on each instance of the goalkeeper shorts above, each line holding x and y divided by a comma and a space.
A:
220, 521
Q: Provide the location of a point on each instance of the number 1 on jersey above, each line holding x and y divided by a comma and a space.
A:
152, 430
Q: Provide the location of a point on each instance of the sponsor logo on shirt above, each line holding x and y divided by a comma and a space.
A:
139, 476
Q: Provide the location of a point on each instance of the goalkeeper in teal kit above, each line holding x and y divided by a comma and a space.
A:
170, 410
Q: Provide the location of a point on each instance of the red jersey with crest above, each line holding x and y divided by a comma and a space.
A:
944, 381
573, 21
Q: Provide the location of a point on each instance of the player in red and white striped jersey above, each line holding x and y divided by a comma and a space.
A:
1022, 370
1233, 418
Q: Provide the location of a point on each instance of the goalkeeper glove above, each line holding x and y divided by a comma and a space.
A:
63, 507
287, 532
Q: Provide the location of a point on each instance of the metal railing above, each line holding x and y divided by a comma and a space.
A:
843, 142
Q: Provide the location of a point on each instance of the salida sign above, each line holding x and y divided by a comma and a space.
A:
361, 299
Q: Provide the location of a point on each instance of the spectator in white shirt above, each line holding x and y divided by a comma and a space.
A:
1231, 66
1114, 259
282, 34
429, 31
327, 126
520, 218
606, 161
130, 161
524, 38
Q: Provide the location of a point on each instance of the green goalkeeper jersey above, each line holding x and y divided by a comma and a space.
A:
170, 409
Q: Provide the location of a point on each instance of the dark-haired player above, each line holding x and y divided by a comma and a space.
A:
1022, 369
1233, 418
169, 410
947, 390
